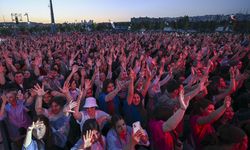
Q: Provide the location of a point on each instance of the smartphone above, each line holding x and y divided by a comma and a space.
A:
136, 126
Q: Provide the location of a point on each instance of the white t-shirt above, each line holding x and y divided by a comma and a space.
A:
98, 114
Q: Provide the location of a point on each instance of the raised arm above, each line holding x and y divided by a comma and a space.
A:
202, 86
77, 115
216, 114
74, 69
39, 100
112, 94
132, 76
109, 75
28, 138
228, 91
2, 78
147, 82
174, 120
65, 91
4, 101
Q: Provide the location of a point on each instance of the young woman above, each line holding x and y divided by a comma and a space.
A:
163, 125
39, 135
202, 118
121, 136
108, 99
58, 120
91, 137
133, 108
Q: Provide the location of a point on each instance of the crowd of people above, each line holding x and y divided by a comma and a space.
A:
126, 91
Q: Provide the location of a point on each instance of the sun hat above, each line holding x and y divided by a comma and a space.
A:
90, 102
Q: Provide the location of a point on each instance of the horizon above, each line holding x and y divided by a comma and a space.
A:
117, 11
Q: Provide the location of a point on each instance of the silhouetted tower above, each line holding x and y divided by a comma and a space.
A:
53, 26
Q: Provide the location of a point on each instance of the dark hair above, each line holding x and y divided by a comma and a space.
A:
61, 101
73, 80
48, 137
172, 85
229, 134
203, 103
115, 118
90, 124
243, 101
162, 112
18, 72
105, 85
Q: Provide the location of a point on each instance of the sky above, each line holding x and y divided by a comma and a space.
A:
117, 10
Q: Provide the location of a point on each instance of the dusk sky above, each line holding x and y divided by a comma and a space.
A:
117, 10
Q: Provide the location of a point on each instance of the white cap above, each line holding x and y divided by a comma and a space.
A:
90, 102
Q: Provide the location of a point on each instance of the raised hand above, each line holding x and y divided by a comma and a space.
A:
90, 62
109, 61
39, 90
24, 55
98, 63
8, 60
149, 74
65, 88
69, 107
227, 102
132, 75
118, 85
4, 98
183, 105
75, 68
1, 68
87, 84
36, 125
87, 138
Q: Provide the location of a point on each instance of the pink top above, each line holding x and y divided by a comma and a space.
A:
160, 140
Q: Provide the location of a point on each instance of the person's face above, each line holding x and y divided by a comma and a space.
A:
209, 109
120, 127
136, 99
11, 98
124, 75
222, 83
96, 136
110, 87
139, 85
19, 78
181, 79
91, 111
102, 77
58, 61
39, 132
55, 108
89, 93
52, 74
73, 85
26, 74
76, 76
229, 113
47, 97
239, 65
